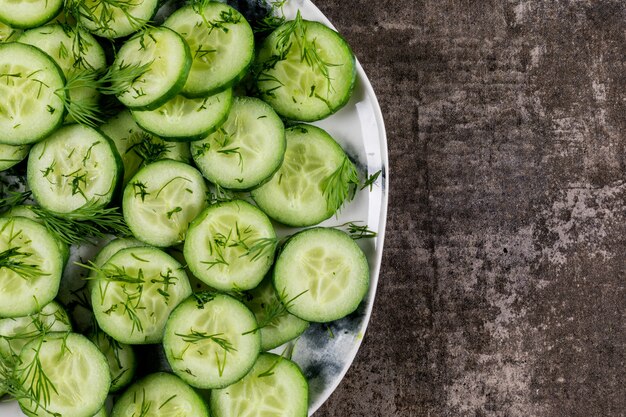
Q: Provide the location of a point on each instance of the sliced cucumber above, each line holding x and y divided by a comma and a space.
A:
120, 357
246, 150
321, 275
274, 387
75, 166
10, 155
167, 59
72, 365
315, 179
205, 341
101, 413
15, 333
221, 43
137, 147
113, 19
161, 200
275, 323
29, 14
31, 87
306, 70
8, 34
160, 395
135, 292
229, 246
31, 264
185, 119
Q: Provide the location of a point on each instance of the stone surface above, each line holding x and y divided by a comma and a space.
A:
506, 124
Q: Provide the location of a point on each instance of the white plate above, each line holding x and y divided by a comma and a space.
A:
359, 128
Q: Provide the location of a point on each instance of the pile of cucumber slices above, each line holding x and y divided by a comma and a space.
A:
172, 137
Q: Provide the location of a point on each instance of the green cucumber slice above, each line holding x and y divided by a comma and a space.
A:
31, 264
113, 19
205, 341
119, 356
168, 60
11, 155
161, 200
137, 147
274, 387
135, 291
101, 413
221, 43
307, 71
321, 275
29, 14
8, 34
160, 395
75, 166
219, 246
315, 179
72, 365
246, 150
31, 87
15, 333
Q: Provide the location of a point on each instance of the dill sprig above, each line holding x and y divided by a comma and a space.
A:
220, 195
195, 336
149, 149
261, 247
83, 224
11, 199
273, 311
274, 18
341, 185
358, 232
103, 13
13, 260
371, 179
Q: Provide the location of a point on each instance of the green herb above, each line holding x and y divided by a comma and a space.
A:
340, 186
262, 247
11, 199
359, 232
149, 149
369, 182
273, 311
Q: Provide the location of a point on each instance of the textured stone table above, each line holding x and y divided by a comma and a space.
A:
503, 290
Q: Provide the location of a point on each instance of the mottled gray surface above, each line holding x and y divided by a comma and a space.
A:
503, 282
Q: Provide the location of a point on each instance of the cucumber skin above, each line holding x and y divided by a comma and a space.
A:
45, 19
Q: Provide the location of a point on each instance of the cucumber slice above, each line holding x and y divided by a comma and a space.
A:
160, 395
73, 167
168, 61
101, 413
109, 250
315, 179
221, 43
120, 357
275, 323
8, 34
220, 243
321, 275
29, 14
137, 148
68, 374
205, 341
113, 19
10, 155
135, 292
186, 119
161, 200
274, 387
307, 70
15, 333
31, 264
246, 150
32, 94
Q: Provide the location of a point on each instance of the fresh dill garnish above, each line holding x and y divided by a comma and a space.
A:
220, 195
369, 182
103, 13
358, 232
261, 247
11, 199
149, 149
274, 18
341, 185
195, 336
14, 260
286, 353
273, 311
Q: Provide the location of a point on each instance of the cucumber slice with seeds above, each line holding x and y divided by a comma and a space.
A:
119, 356
74, 167
29, 14
185, 119
321, 275
135, 292
246, 150
219, 244
168, 61
31, 264
221, 43
11, 155
114, 19
31, 87
161, 200
274, 387
206, 343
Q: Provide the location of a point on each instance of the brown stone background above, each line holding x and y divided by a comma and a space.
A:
503, 282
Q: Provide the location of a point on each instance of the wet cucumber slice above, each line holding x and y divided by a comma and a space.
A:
321, 275
11, 155
31, 87
72, 365
134, 293
220, 246
274, 387
246, 150
315, 179
29, 14
221, 43
113, 19
31, 264
167, 59
162, 395
119, 356
206, 343
161, 200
